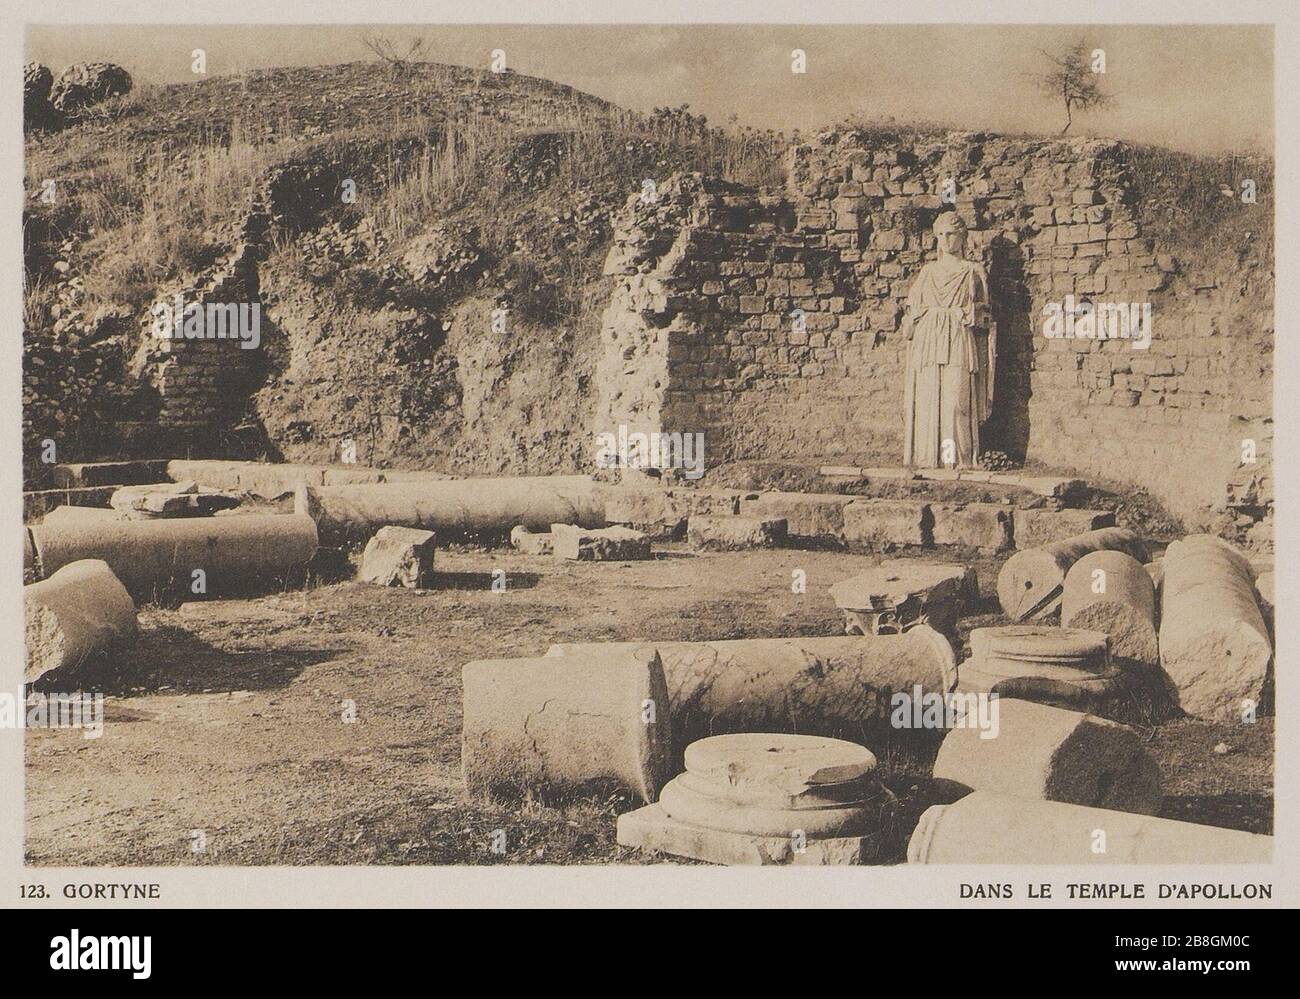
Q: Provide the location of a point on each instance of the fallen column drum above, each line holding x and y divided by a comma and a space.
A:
835, 687
230, 550
1031, 581
563, 723
989, 828
78, 612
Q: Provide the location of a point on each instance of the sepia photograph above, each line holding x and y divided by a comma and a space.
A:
651, 445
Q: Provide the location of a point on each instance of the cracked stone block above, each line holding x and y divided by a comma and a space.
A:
1044, 752
608, 544
1042, 527
807, 515
399, 556
887, 524
986, 526
736, 533
661, 513
181, 499
529, 543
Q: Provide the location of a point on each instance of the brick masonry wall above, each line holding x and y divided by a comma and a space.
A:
702, 333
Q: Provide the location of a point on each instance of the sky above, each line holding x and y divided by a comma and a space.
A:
1201, 88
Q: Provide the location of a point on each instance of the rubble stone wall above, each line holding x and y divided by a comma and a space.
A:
770, 322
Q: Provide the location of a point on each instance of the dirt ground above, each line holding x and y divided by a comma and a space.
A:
225, 738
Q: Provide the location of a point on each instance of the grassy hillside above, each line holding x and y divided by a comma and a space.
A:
410, 202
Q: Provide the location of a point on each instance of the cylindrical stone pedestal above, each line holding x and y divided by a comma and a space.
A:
1042, 752
561, 723
1112, 592
1031, 581
79, 611
765, 798
1066, 667
988, 828
232, 551
838, 687
1214, 645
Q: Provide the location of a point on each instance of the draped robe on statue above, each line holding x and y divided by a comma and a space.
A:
949, 381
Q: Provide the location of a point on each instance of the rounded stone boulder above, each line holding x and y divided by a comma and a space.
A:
84, 84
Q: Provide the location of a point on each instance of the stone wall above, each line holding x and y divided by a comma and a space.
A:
770, 322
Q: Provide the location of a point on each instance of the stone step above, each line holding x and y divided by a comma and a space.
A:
110, 473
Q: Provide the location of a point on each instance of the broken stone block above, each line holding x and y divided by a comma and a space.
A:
807, 515
736, 533
37, 504
986, 526
561, 724
765, 798
1051, 486
1214, 644
885, 524
660, 513
1042, 527
901, 593
1031, 581
399, 556
1038, 751
1112, 592
183, 499
528, 543
608, 544
989, 828
77, 612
